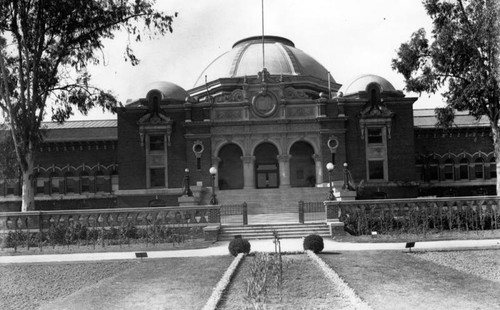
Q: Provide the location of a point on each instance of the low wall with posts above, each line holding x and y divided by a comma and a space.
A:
201, 217
416, 215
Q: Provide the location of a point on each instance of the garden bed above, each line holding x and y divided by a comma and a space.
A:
304, 287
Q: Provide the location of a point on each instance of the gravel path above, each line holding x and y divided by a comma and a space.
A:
482, 263
28, 286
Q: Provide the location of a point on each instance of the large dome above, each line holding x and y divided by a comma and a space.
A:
281, 58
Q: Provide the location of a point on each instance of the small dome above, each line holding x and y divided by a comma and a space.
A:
360, 84
281, 58
167, 90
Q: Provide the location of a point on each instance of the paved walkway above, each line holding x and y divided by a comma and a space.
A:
220, 248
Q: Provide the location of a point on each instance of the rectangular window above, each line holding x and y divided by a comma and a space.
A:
376, 169
375, 136
157, 143
157, 177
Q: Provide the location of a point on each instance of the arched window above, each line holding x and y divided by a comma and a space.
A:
479, 168
71, 182
101, 182
42, 184
493, 168
55, 184
434, 170
464, 169
84, 182
449, 169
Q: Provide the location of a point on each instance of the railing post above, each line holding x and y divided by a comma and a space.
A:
301, 212
245, 213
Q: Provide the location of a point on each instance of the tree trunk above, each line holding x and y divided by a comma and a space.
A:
28, 196
496, 146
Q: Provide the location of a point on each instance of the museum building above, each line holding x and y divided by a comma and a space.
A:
269, 131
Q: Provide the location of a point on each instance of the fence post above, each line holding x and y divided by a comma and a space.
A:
301, 212
245, 213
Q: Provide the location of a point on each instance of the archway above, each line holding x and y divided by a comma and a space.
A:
266, 166
230, 167
302, 166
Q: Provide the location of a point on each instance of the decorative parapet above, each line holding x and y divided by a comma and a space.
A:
40, 220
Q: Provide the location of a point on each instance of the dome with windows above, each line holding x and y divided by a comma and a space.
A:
281, 58
361, 83
167, 90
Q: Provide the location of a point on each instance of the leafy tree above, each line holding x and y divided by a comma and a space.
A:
463, 57
45, 47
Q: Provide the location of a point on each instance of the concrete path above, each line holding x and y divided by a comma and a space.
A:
220, 248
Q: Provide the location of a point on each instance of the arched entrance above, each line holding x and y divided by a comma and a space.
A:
302, 166
230, 167
266, 166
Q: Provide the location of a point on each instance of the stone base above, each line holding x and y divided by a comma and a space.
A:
336, 228
345, 195
187, 201
211, 232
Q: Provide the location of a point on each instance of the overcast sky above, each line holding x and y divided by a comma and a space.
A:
348, 38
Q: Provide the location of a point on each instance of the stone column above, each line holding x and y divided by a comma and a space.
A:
284, 163
248, 171
319, 169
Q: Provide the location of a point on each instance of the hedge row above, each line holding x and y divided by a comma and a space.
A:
77, 234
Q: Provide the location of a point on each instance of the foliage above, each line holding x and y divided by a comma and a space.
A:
420, 220
77, 234
239, 245
264, 276
313, 243
45, 48
463, 57
8, 163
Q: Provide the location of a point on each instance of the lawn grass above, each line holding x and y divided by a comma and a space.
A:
172, 283
133, 247
304, 287
397, 280
430, 236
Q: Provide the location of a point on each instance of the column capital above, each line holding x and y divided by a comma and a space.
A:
248, 159
316, 157
284, 158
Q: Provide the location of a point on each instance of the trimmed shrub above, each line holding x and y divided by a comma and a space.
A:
239, 245
313, 243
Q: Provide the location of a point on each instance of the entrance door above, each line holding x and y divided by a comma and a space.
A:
267, 176
266, 166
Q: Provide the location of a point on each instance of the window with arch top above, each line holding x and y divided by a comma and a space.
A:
464, 169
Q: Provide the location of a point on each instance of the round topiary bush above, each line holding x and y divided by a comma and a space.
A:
313, 243
239, 245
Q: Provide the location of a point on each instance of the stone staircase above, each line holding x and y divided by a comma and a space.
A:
272, 201
266, 231
272, 210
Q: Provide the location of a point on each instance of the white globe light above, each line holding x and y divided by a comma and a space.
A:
330, 166
213, 170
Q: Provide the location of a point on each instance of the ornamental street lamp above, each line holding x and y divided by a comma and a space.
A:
187, 190
330, 168
213, 172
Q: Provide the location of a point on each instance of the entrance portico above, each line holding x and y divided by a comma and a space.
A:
267, 167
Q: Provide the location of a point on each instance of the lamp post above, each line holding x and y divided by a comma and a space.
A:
346, 181
213, 173
330, 168
187, 190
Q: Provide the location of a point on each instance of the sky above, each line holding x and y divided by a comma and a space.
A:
348, 38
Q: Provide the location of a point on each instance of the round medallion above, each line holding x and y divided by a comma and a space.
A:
264, 104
